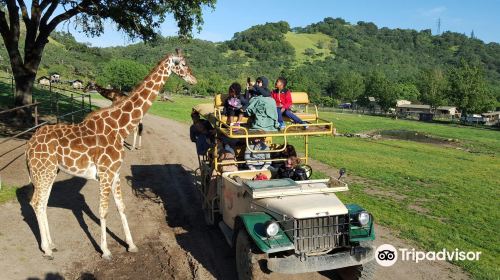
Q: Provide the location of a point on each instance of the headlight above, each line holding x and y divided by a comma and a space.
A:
363, 218
272, 228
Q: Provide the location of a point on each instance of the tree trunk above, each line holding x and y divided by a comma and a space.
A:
23, 95
24, 77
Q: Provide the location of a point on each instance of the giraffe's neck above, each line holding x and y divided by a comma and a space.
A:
130, 112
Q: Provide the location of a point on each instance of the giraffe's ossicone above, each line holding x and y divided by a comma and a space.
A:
93, 149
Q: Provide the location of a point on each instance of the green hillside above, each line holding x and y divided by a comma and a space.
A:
320, 44
388, 64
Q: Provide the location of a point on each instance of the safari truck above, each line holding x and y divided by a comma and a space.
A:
281, 225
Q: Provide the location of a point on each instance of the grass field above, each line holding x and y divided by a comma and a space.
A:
7, 193
437, 196
302, 41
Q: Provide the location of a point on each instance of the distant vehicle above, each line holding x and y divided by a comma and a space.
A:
345, 106
473, 119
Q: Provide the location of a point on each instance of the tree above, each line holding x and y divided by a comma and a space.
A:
468, 90
348, 86
309, 52
407, 91
138, 19
378, 86
122, 74
433, 86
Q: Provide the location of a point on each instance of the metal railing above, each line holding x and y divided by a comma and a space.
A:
58, 95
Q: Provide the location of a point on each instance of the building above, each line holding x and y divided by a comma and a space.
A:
442, 111
447, 111
402, 102
413, 108
491, 118
44, 81
76, 84
55, 78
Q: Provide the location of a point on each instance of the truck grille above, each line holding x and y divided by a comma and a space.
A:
320, 234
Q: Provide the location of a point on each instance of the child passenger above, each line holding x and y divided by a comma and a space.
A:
234, 104
283, 98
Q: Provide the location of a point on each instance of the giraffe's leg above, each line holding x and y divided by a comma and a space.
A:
51, 244
103, 212
135, 137
117, 194
139, 131
39, 202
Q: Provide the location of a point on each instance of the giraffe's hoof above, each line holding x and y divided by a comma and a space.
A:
107, 256
133, 249
53, 248
48, 257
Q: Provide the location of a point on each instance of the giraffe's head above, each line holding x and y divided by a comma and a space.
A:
180, 67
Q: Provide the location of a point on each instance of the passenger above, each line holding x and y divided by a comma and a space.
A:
249, 91
234, 104
258, 144
283, 98
202, 133
262, 107
291, 169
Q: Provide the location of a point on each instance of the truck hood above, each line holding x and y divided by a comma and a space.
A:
305, 206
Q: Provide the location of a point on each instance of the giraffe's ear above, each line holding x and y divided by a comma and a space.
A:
178, 52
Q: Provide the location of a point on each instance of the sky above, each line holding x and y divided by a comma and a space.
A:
229, 17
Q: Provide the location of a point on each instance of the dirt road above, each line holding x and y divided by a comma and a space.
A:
164, 215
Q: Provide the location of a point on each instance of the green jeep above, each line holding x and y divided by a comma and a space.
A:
282, 225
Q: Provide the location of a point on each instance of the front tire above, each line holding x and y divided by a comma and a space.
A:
249, 261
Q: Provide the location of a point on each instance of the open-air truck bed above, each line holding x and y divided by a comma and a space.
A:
316, 230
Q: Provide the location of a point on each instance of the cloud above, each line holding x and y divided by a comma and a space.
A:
436, 11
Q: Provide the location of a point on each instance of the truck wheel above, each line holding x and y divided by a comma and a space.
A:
358, 272
248, 259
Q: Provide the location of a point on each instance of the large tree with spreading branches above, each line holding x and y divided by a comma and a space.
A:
138, 19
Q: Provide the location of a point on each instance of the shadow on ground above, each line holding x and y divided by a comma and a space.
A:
172, 185
65, 194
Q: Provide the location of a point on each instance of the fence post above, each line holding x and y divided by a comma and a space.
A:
83, 105
51, 102
57, 105
90, 103
72, 109
36, 114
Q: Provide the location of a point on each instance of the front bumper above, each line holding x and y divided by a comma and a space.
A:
293, 264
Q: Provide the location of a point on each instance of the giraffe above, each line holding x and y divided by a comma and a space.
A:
93, 149
116, 96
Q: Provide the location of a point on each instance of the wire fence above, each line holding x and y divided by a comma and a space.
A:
65, 104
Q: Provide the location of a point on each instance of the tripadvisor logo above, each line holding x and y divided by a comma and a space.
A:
387, 255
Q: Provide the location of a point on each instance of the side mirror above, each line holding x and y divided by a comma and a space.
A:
341, 172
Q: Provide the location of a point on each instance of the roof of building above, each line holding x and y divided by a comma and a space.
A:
415, 106
446, 107
491, 113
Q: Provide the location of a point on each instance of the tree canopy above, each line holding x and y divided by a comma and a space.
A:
137, 19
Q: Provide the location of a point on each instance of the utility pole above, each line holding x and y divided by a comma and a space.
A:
439, 26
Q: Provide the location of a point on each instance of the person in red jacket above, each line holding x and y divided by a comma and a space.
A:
283, 98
